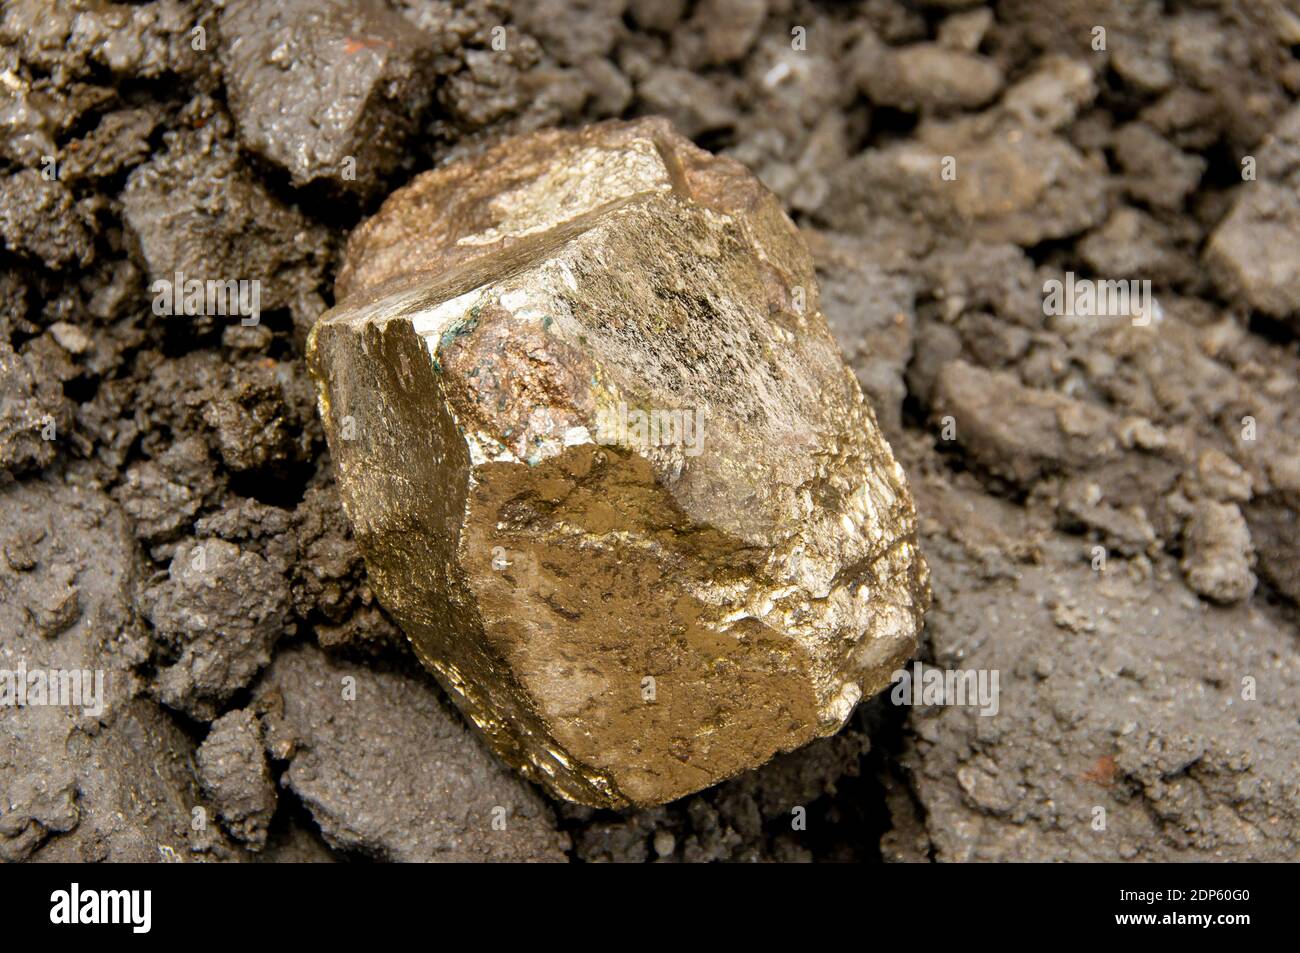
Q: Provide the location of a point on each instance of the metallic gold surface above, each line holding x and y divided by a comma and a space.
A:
628, 614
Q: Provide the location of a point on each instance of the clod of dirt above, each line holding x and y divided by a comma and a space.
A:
232, 769
1016, 432
40, 218
978, 176
721, 31
1160, 175
1252, 252
119, 141
388, 772
215, 616
197, 211
328, 90
923, 76
696, 105
95, 774
1219, 556
34, 413
163, 495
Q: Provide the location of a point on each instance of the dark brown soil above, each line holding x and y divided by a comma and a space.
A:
1109, 505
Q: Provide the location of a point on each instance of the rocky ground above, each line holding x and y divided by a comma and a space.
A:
1109, 506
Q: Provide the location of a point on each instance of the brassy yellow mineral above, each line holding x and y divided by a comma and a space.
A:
607, 467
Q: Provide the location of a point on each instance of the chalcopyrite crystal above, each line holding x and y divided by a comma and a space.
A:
607, 467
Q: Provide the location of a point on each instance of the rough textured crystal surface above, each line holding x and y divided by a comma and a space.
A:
607, 466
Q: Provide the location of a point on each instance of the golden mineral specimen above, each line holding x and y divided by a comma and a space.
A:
607, 467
